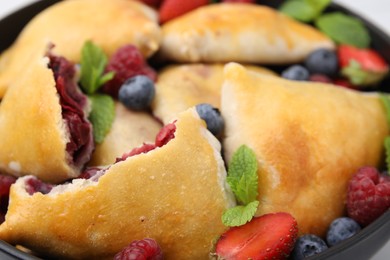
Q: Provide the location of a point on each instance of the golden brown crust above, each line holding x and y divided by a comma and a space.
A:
33, 134
309, 139
129, 130
68, 24
174, 194
239, 32
180, 87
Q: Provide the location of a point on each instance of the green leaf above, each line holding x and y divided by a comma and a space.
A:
239, 215
242, 175
387, 151
93, 62
304, 10
344, 29
102, 115
385, 98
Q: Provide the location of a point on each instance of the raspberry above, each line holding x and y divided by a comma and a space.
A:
368, 195
126, 62
146, 249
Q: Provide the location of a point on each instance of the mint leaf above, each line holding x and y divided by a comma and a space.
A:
344, 29
385, 98
242, 175
93, 62
239, 215
102, 115
387, 151
304, 10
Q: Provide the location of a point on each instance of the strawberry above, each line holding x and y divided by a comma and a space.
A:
363, 67
173, 8
271, 236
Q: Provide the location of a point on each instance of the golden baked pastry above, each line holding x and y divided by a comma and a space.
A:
239, 32
38, 135
309, 138
180, 87
174, 194
129, 129
69, 24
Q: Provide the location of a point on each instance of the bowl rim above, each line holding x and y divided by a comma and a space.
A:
379, 228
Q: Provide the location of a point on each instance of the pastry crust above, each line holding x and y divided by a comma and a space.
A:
180, 87
175, 194
129, 130
69, 24
309, 138
33, 132
239, 32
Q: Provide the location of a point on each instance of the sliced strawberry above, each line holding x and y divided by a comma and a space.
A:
173, 8
363, 67
271, 236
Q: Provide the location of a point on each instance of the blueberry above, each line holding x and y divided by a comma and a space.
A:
296, 72
212, 116
322, 61
308, 245
137, 92
341, 229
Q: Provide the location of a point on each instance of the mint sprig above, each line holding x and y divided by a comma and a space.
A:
243, 180
344, 29
242, 175
385, 98
304, 10
93, 62
102, 115
239, 215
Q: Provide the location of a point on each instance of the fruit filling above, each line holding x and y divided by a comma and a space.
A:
73, 104
33, 185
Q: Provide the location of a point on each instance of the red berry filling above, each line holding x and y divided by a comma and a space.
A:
127, 62
73, 102
5, 185
33, 185
166, 134
146, 249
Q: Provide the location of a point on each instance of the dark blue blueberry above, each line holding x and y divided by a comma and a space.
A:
322, 61
213, 118
137, 92
341, 229
296, 72
308, 245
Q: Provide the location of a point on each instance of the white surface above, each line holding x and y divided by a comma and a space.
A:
377, 11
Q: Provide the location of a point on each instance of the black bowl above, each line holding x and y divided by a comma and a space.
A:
361, 246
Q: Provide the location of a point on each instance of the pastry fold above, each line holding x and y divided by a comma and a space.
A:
239, 32
309, 139
174, 194
180, 87
69, 24
129, 130
43, 122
